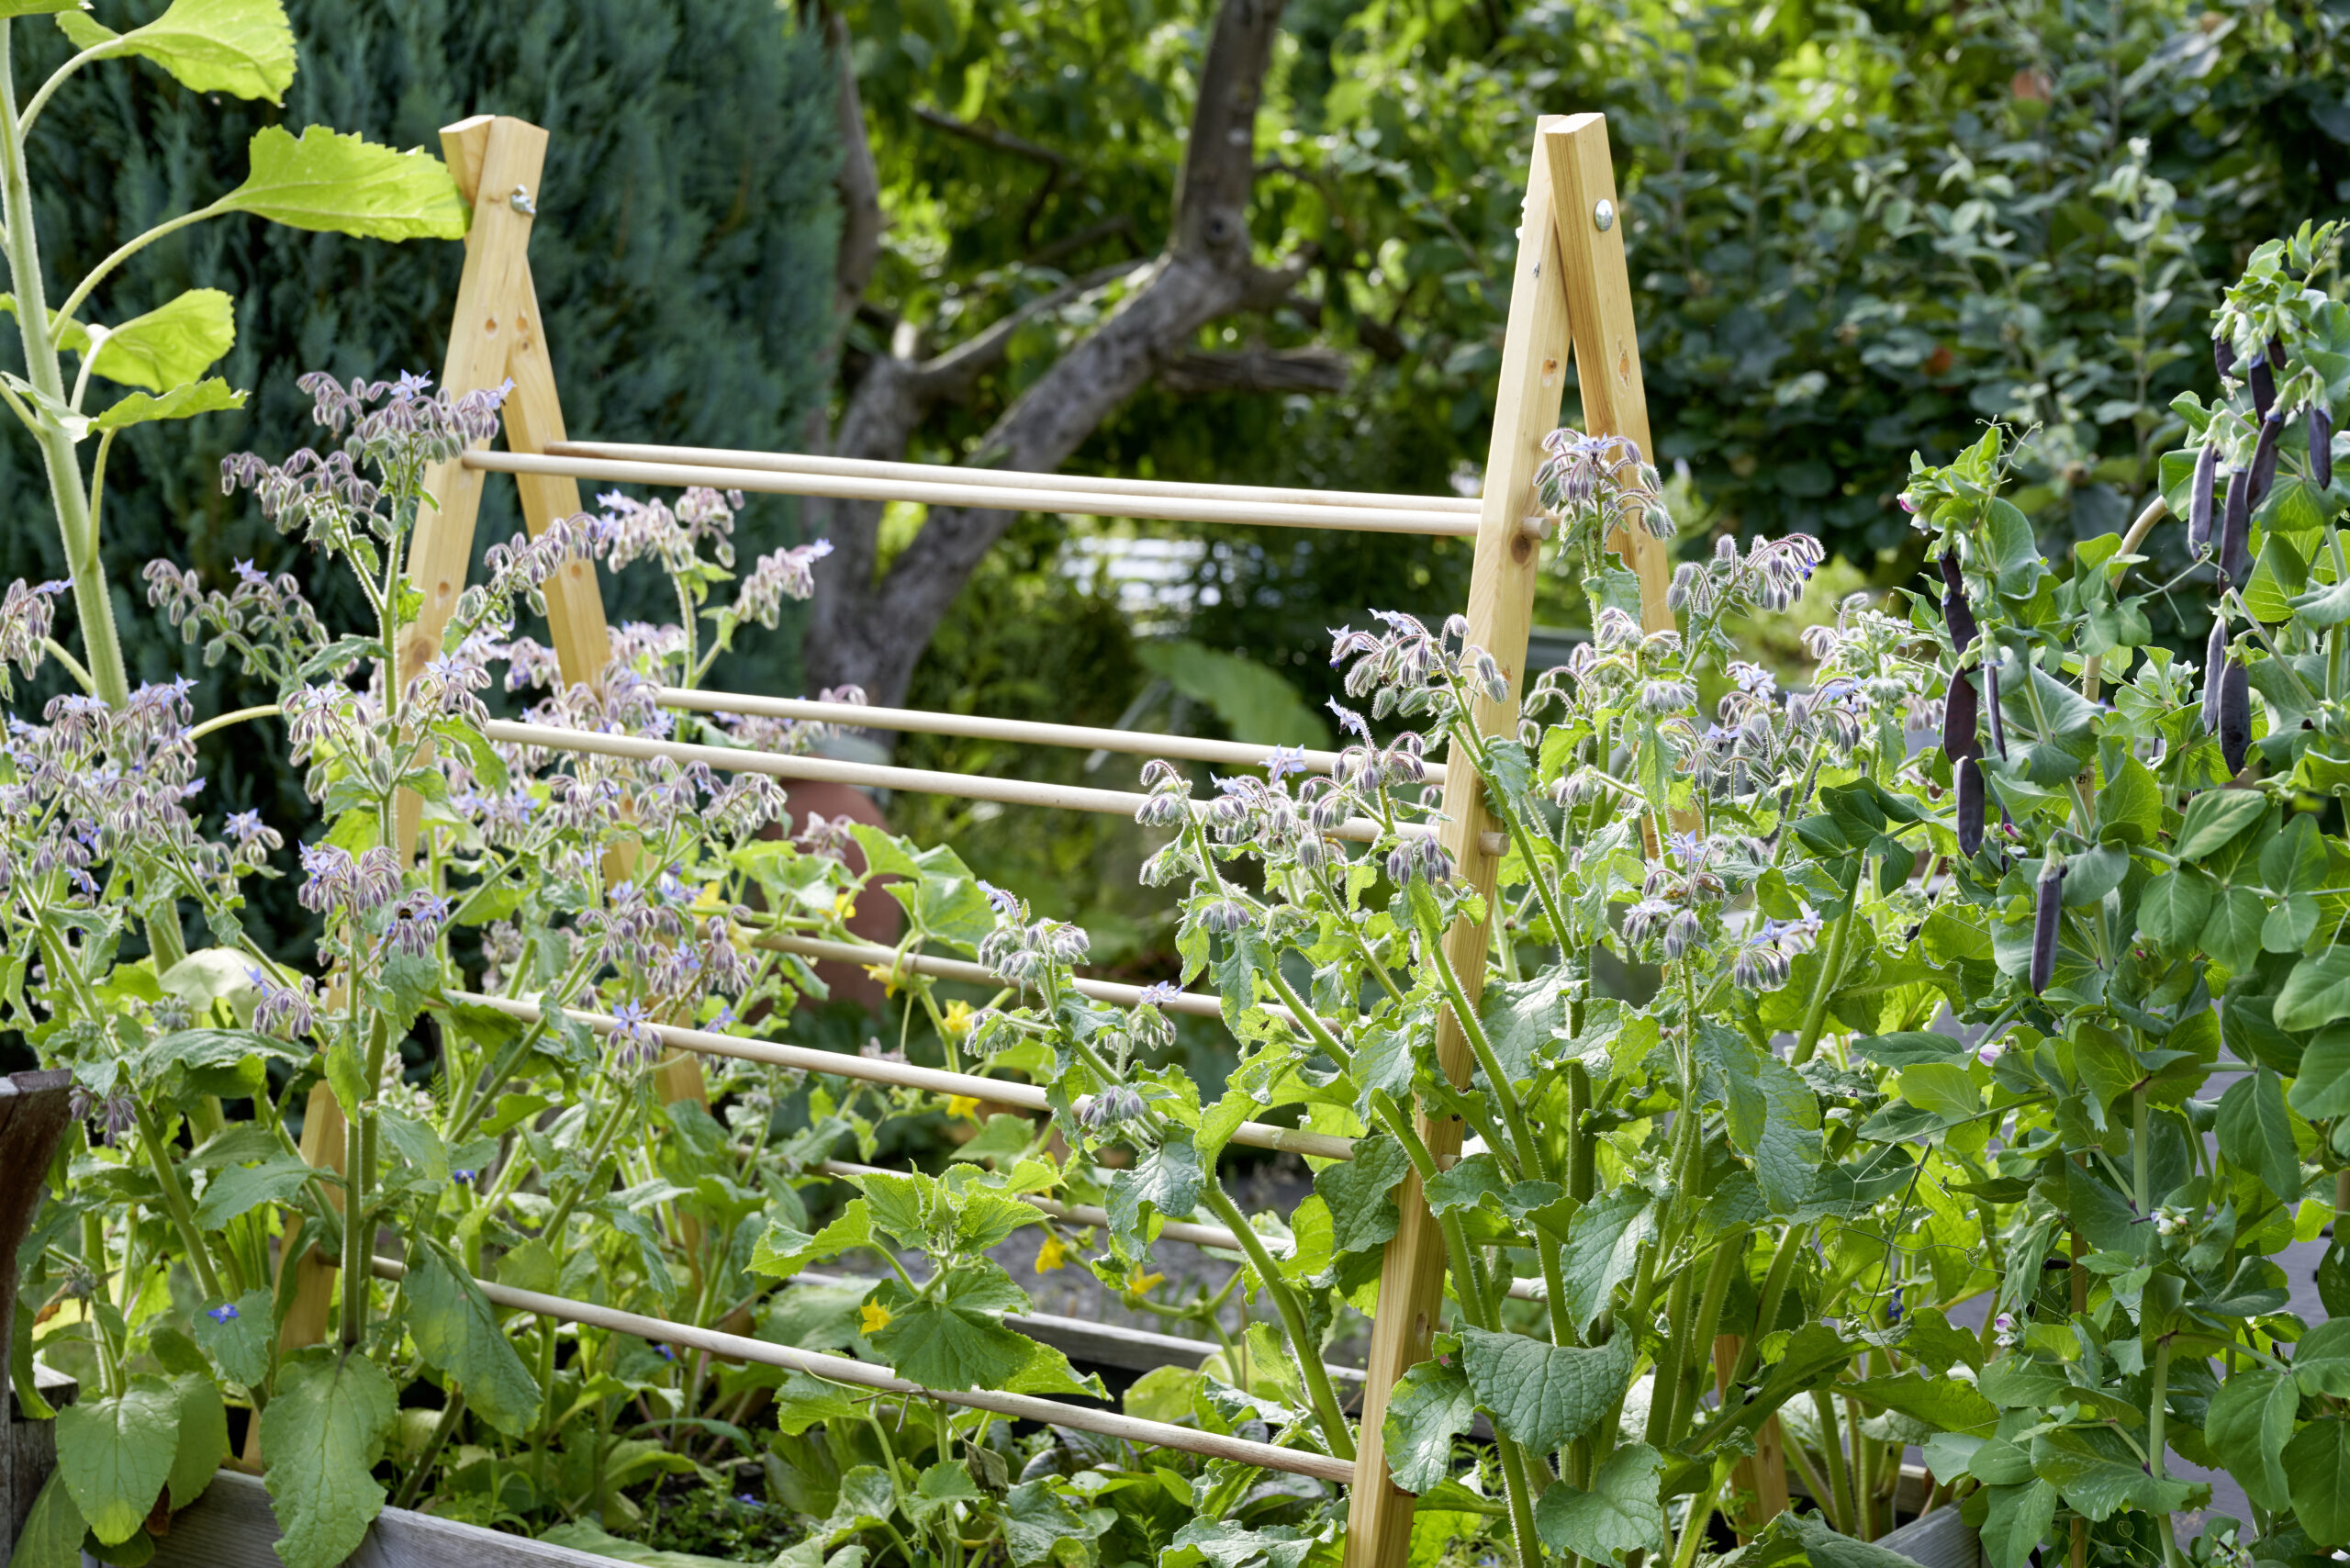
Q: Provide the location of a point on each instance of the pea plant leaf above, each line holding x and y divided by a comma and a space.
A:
1544, 1395
2317, 1472
323, 1432
346, 185
457, 1330
1621, 1512
2317, 993
115, 1453
2248, 1424
243, 47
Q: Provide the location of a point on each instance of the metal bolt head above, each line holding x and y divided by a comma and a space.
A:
1603, 217
520, 201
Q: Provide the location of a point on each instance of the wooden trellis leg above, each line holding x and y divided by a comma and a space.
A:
1570, 291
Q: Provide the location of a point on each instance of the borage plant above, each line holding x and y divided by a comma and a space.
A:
170, 1267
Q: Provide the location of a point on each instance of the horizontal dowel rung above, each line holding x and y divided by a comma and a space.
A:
904, 1075
889, 958
1001, 478
1357, 520
1183, 1231
860, 1374
879, 776
923, 721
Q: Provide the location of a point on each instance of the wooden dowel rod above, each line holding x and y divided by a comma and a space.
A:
1191, 1002
860, 1374
1181, 1230
1358, 519
922, 720
1001, 479
906, 1075
968, 786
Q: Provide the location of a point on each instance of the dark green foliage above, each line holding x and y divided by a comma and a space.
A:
682, 256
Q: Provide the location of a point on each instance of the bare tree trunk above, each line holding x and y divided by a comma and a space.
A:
871, 627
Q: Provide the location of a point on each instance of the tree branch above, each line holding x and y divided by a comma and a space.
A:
1194, 373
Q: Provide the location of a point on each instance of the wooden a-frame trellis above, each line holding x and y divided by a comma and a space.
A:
1570, 303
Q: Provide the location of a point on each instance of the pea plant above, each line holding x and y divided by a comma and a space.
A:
1797, 1041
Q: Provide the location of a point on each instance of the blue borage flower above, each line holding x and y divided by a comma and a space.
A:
225, 1313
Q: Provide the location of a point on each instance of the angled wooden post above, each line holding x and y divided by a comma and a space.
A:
1569, 292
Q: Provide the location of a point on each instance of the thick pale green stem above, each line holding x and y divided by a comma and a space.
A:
1327, 1412
101, 648
175, 1203
2156, 1415
1831, 968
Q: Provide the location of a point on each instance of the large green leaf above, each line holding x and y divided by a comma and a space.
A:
1544, 1395
115, 1453
2018, 1520
952, 1335
2321, 1087
2317, 1474
2321, 1361
2098, 1474
202, 1436
1944, 1404
2174, 908
1166, 1181
52, 1534
348, 185
1431, 1407
243, 1188
2255, 1130
1362, 1215
243, 47
2214, 819
1793, 1540
179, 403
1257, 705
2317, 993
457, 1330
239, 1335
2247, 1425
1603, 1248
323, 1432
1621, 1512
171, 344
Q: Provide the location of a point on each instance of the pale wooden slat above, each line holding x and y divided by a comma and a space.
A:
864, 1375
1007, 478
978, 726
933, 492
1607, 339
875, 1070
231, 1525
1534, 351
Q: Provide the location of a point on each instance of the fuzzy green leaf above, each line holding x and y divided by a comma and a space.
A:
1544, 1395
1621, 1512
115, 1453
323, 1432
1431, 1407
457, 1331
179, 403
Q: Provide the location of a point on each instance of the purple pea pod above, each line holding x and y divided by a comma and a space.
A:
1957, 614
1991, 699
2198, 500
2264, 458
1970, 807
2236, 529
2224, 355
2262, 381
2321, 445
2215, 662
1961, 716
2235, 714
2047, 908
